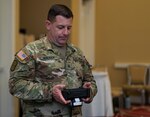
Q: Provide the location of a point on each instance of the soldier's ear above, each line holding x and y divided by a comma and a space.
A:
48, 24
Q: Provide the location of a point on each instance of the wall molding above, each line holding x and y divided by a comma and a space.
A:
124, 65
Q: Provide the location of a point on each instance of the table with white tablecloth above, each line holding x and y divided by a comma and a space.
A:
102, 102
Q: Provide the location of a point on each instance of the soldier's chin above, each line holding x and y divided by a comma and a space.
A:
62, 43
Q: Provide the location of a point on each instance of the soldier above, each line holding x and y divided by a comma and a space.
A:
43, 68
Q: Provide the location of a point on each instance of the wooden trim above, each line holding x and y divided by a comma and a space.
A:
75, 29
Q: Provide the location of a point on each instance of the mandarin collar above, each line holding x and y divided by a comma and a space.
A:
48, 45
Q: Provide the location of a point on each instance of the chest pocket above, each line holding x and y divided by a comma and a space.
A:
75, 64
47, 64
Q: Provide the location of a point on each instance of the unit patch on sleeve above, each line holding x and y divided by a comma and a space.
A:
21, 55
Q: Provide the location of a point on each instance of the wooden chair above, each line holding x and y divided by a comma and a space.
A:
136, 81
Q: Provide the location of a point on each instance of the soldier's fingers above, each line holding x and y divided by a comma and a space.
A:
87, 100
61, 86
63, 99
68, 101
87, 85
58, 98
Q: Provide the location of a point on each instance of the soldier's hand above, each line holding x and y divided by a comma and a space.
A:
57, 95
87, 85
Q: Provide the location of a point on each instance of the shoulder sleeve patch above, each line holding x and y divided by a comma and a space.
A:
22, 55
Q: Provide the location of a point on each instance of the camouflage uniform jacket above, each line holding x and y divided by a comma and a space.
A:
37, 68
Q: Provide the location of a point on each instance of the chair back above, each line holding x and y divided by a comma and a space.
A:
137, 74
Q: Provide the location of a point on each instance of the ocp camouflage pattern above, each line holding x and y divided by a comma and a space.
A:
32, 78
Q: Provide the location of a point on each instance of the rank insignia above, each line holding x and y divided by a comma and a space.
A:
14, 64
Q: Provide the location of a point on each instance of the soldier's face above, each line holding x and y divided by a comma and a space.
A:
59, 30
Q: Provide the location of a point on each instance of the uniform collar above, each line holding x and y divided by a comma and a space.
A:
47, 43
48, 46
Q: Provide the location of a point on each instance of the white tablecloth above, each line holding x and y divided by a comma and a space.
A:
102, 103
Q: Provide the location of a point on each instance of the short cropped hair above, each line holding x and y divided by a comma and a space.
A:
59, 9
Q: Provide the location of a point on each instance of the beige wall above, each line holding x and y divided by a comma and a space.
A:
122, 30
122, 34
34, 12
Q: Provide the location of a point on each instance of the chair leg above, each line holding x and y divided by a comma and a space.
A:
121, 101
146, 98
143, 98
117, 103
127, 102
